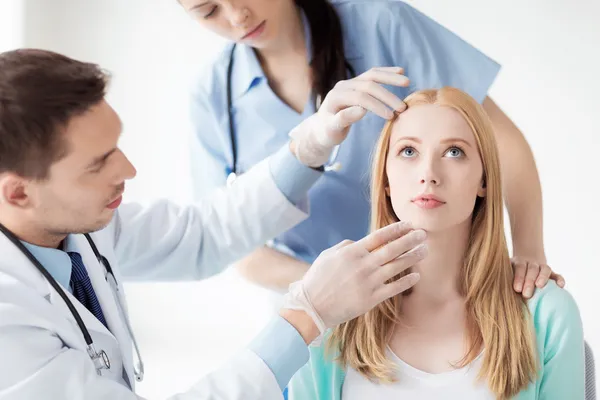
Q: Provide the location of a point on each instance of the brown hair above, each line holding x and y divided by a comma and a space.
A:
497, 317
328, 65
40, 91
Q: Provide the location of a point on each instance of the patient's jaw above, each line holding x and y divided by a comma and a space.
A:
434, 168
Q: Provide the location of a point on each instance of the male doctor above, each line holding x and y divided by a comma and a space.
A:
62, 176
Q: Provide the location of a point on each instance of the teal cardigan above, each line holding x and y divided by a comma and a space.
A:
559, 335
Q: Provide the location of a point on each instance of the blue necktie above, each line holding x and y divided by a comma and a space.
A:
82, 287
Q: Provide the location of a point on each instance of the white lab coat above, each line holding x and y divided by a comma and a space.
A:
42, 350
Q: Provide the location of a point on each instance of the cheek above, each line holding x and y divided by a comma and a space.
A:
399, 188
464, 187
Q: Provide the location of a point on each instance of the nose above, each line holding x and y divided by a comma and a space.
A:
126, 170
239, 16
430, 173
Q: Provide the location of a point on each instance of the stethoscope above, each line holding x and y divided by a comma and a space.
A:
232, 171
99, 358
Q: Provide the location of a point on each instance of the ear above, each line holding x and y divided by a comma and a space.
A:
14, 191
482, 191
387, 191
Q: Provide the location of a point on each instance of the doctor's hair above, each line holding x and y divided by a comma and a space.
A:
40, 92
328, 65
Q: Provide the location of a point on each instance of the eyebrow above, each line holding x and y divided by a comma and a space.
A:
417, 140
100, 159
198, 6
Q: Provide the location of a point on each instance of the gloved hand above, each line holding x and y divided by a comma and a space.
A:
350, 279
314, 138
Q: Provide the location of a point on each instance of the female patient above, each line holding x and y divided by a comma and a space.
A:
461, 332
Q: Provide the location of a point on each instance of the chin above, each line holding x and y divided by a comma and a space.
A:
428, 221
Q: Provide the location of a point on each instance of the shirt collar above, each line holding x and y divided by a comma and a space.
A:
247, 71
56, 261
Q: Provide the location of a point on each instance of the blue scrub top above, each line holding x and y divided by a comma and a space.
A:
376, 33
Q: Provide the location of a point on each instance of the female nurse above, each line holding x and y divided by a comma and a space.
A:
283, 57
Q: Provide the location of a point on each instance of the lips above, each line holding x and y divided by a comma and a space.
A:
428, 201
255, 32
115, 203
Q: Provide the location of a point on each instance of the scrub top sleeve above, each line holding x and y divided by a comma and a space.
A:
208, 164
434, 57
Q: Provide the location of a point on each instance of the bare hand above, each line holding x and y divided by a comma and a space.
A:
530, 274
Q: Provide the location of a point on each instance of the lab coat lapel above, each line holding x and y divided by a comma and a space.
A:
105, 295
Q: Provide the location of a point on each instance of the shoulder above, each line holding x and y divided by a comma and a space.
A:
210, 78
374, 12
554, 311
551, 299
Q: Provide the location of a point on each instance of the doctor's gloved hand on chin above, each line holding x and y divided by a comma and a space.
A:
350, 279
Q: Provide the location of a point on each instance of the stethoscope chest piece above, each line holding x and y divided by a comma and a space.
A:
100, 359
231, 178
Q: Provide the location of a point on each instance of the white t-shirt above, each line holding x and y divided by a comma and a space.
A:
413, 383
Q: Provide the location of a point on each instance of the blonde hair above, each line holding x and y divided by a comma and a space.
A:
497, 317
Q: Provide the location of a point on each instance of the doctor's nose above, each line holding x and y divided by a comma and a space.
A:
126, 169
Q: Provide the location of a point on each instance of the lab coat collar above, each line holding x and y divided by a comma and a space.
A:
17, 265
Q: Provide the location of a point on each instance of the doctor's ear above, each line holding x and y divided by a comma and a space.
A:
387, 191
13, 190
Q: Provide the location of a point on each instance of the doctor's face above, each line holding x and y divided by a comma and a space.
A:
257, 23
85, 186
434, 168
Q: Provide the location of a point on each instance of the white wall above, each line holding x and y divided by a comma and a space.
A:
548, 85
11, 24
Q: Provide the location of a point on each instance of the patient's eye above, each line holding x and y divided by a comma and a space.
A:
455, 152
408, 152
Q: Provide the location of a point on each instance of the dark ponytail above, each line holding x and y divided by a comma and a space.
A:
328, 61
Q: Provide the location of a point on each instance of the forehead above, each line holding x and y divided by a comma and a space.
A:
432, 122
93, 132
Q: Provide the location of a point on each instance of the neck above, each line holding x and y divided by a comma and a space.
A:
440, 270
28, 231
290, 41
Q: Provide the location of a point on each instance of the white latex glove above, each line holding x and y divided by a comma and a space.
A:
350, 279
348, 102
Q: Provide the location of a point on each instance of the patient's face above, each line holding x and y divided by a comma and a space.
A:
434, 168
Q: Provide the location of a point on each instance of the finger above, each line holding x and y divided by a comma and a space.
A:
347, 117
395, 248
383, 77
342, 244
386, 272
383, 236
349, 98
544, 276
520, 270
394, 288
560, 281
533, 270
395, 70
379, 92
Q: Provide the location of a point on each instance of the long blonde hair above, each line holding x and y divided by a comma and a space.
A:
497, 318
